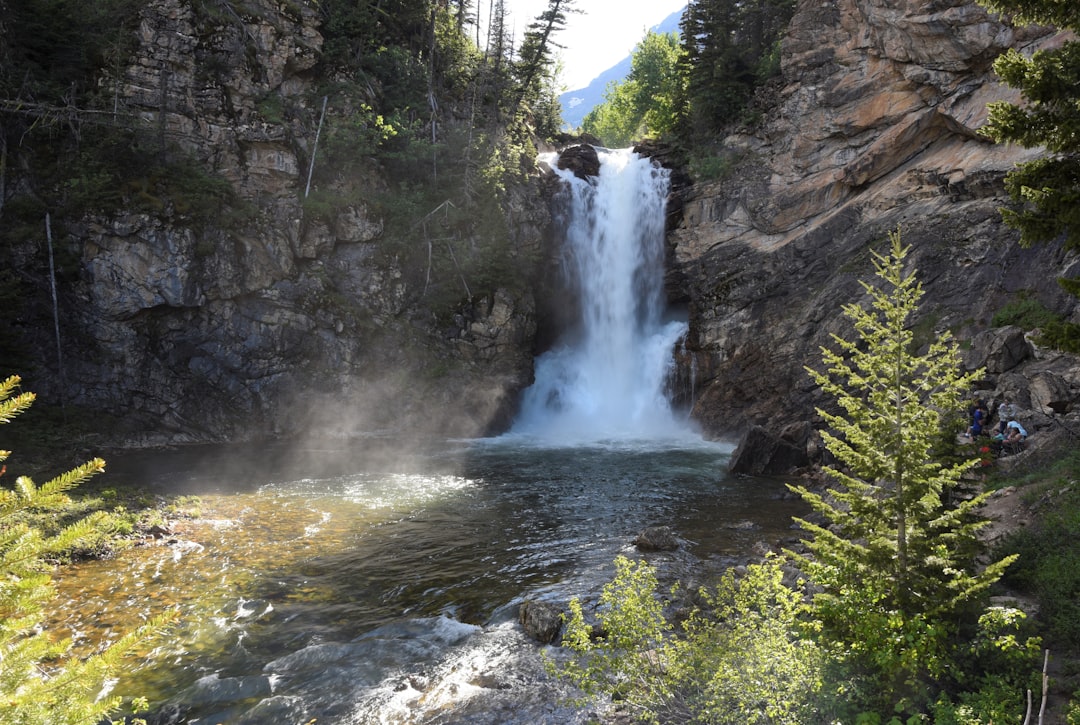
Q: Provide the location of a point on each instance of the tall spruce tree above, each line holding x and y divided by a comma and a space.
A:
538, 50
894, 561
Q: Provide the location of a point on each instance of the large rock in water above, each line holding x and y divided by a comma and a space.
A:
873, 127
657, 538
541, 620
582, 160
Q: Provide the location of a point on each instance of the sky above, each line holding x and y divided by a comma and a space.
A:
598, 37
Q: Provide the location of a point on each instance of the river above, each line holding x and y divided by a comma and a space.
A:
363, 583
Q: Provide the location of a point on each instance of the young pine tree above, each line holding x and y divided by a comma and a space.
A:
894, 561
36, 684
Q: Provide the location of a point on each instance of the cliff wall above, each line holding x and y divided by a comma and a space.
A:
282, 320
874, 128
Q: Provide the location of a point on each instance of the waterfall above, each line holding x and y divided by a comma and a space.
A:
607, 377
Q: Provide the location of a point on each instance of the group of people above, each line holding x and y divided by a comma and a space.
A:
1008, 430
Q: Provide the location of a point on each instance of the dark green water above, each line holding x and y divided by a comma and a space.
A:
357, 582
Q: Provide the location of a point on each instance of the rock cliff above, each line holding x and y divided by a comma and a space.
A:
874, 128
283, 321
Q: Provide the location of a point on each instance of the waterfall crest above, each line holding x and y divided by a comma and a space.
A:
607, 377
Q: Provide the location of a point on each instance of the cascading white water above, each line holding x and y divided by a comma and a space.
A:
607, 378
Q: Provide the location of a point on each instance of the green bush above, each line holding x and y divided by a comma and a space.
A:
1030, 314
1023, 311
1049, 555
738, 659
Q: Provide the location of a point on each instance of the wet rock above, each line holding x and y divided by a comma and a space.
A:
762, 452
317, 655
582, 160
170, 714
282, 708
657, 538
216, 689
541, 620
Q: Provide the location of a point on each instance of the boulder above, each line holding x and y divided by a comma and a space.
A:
541, 620
762, 452
999, 350
1050, 393
657, 538
582, 160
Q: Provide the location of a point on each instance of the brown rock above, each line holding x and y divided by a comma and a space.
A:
541, 620
582, 160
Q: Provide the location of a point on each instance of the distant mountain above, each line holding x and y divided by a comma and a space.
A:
577, 103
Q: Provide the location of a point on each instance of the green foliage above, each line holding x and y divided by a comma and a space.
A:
706, 164
738, 660
457, 59
56, 47
731, 49
113, 168
629, 655
1045, 191
355, 32
998, 665
354, 133
36, 683
747, 644
1023, 311
646, 104
1049, 556
895, 560
536, 66
1030, 314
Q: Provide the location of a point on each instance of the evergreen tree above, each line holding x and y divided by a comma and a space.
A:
1046, 190
35, 685
730, 50
894, 561
538, 50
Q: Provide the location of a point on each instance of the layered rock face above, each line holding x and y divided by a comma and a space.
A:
875, 128
283, 324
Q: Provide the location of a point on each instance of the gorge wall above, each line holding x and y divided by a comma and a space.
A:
874, 128
280, 322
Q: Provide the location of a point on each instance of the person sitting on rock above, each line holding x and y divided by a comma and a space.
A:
1015, 433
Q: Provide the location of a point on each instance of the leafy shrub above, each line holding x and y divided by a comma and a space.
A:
740, 659
1023, 311
1049, 557
1030, 314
